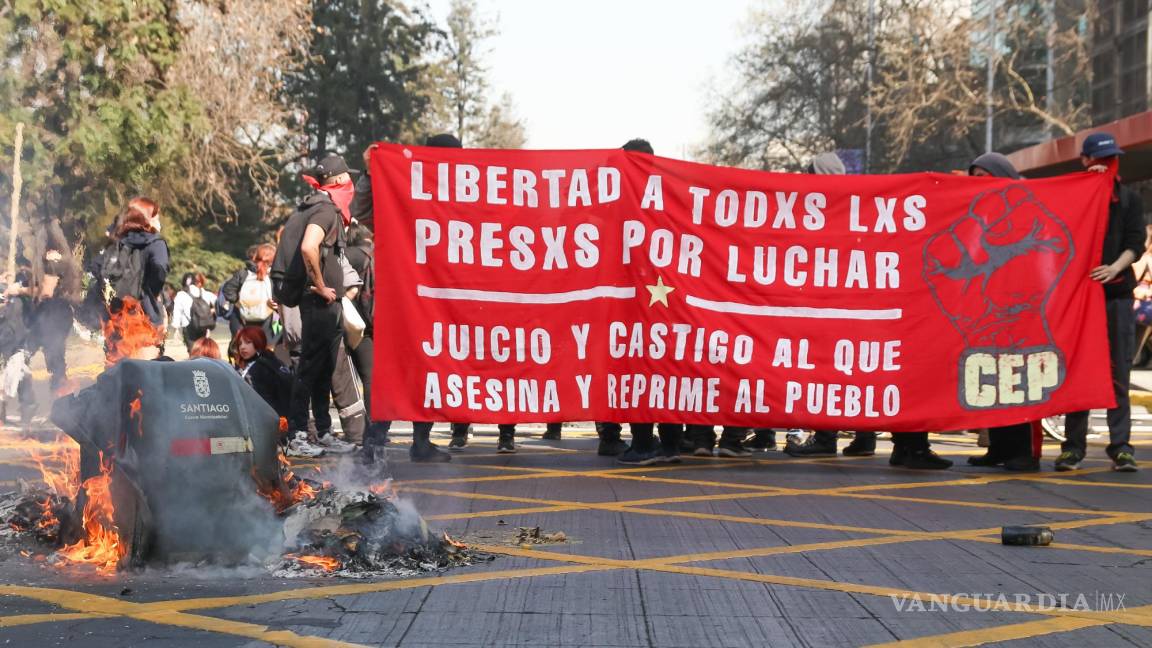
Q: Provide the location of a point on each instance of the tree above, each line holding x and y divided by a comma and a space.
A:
233, 60
89, 78
367, 77
462, 106
801, 83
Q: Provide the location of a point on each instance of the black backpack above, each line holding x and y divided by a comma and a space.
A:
289, 278
123, 271
201, 316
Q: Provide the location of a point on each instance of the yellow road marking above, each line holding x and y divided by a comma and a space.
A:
29, 619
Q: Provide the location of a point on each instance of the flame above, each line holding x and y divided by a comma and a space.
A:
59, 464
135, 411
101, 543
454, 543
383, 491
323, 562
128, 331
293, 490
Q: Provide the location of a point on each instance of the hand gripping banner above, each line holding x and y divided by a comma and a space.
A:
531, 286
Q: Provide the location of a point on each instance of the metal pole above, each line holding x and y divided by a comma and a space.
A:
1050, 59
14, 206
868, 86
988, 113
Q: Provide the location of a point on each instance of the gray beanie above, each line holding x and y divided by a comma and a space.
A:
826, 164
995, 164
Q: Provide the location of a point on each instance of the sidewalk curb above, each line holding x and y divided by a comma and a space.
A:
1141, 397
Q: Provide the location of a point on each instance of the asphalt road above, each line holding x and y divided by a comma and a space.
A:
711, 552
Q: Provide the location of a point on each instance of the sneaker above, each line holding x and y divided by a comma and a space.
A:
1026, 463
860, 448
1068, 461
1124, 462
702, 452
670, 455
334, 444
794, 435
925, 460
551, 435
505, 446
634, 458
732, 449
611, 448
457, 443
299, 446
428, 453
811, 448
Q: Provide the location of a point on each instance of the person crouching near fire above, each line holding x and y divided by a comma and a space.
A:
263, 371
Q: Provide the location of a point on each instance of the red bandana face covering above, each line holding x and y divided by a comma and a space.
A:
341, 194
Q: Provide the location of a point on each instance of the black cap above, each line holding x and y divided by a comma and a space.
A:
331, 166
443, 140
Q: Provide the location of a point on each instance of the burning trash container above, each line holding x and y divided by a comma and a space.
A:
179, 445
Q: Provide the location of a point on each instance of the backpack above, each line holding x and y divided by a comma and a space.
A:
289, 278
253, 299
123, 271
200, 316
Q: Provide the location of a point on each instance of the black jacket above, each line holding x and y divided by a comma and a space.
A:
231, 288
272, 380
1125, 232
156, 265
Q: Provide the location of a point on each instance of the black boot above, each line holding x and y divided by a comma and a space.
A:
925, 459
863, 445
552, 433
763, 440
988, 460
423, 450
1025, 463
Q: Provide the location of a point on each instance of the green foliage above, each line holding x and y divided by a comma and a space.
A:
367, 78
88, 76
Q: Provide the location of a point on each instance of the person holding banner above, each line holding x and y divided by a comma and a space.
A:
1123, 244
822, 443
361, 209
1013, 447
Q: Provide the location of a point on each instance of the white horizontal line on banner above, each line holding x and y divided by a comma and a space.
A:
796, 311
463, 294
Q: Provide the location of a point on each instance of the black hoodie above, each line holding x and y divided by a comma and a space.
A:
155, 271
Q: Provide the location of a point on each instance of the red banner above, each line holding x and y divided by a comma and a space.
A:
517, 286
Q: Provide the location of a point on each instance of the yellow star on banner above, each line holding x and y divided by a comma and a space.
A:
659, 292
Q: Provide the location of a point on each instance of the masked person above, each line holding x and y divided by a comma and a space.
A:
1123, 244
306, 272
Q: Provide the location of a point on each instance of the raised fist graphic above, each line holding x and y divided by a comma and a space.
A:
992, 272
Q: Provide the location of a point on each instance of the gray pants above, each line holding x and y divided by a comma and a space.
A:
348, 395
1121, 345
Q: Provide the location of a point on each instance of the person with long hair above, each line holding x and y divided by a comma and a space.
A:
250, 291
136, 263
261, 369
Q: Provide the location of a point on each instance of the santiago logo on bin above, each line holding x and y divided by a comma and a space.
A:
200, 381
